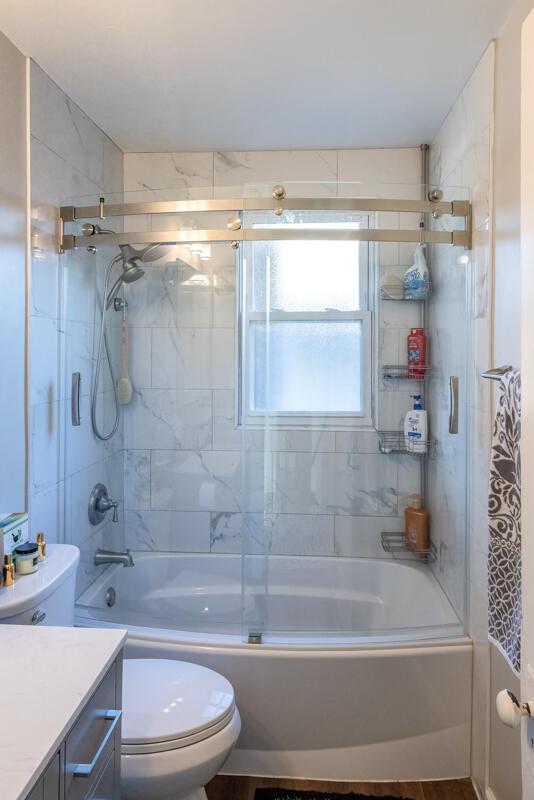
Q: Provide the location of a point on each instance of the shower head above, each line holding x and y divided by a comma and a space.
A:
131, 272
151, 253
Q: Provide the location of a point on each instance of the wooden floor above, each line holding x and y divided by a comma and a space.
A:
237, 788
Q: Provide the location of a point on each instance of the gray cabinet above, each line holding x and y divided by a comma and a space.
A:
87, 765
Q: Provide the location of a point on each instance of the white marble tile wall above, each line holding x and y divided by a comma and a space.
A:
461, 154
70, 157
328, 492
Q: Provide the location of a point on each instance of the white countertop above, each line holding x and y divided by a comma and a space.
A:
46, 676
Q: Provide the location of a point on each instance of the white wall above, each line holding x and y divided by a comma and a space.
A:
12, 276
70, 156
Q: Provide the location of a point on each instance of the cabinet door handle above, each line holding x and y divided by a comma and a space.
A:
75, 399
454, 384
85, 770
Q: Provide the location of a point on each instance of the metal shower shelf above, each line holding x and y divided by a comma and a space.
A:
397, 293
397, 442
277, 204
395, 543
418, 372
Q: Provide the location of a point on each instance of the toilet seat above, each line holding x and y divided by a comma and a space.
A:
172, 704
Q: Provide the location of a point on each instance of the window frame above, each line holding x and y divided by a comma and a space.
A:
245, 415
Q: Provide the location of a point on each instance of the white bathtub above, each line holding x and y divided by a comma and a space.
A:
363, 673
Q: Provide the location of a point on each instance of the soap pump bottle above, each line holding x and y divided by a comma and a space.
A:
416, 427
416, 525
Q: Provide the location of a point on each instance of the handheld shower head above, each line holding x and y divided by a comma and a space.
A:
153, 252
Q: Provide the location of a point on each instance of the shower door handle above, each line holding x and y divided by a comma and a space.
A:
75, 399
454, 384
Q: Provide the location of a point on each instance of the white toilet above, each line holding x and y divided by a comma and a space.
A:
180, 724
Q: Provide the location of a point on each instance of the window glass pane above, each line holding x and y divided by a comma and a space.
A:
307, 276
306, 367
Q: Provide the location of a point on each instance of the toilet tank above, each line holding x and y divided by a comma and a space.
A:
47, 596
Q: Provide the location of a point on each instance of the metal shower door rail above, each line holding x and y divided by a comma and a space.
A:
236, 206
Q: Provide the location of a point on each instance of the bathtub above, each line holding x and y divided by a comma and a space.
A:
363, 672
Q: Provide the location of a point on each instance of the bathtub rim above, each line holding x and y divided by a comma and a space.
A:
232, 644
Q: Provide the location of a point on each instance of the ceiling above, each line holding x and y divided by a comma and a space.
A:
169, 75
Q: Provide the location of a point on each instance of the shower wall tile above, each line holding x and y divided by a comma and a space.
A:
276, 534
161, 300
189, 174
140, 357
381, 172
237, 173
359, 537
46, 451
170, 419
168, 531
63, 127
78, 489
137, 479
342, 483
182, 358
47, 513
206, 481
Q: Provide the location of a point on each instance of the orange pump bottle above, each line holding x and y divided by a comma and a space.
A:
416, 524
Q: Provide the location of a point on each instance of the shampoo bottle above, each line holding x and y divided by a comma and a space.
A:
416, 427
416, 525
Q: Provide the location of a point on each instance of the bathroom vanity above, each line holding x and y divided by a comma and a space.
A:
61, 706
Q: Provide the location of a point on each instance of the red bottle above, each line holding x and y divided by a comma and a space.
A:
416, 353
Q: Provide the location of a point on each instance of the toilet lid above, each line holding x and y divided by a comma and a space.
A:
169, 701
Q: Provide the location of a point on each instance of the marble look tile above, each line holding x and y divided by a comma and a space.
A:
64, 128
162, 300
379, 172
329, 483
189, 173
276, 534
78, 489
409, 478
47, 513
168, 419
45, 357
113, 168
206, 481
356, 442
140, 357
303, 172
223, 358
82, 448
168, 531
137, 479
46, 445
182, 358
359, 537
236, 532
478, 95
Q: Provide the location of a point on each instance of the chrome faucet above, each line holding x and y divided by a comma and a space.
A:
113, 557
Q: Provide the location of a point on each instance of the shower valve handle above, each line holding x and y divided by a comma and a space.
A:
100, 503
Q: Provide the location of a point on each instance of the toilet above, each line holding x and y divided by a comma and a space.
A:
180, 724
179, 720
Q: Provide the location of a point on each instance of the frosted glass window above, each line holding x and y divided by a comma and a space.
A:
307, 276
301, 367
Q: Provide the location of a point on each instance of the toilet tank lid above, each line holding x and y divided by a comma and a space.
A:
28, 590
166, 700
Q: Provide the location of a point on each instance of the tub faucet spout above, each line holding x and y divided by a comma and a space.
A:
113, 557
